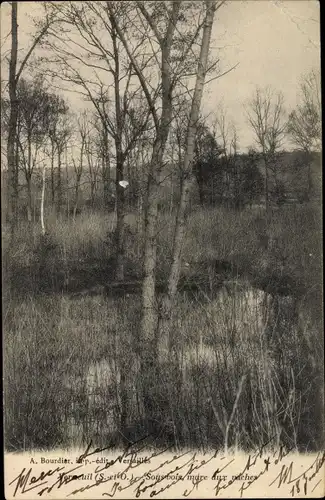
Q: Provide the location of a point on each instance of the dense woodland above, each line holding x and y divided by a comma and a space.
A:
124, 221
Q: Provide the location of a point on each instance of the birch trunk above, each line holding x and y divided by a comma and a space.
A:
52, 172
149, 312
165, 315
29, 177
149, 318
42, 203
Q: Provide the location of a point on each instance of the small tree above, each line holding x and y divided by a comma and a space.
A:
33, 119
207, 168
304, 124
90, 55
229, 167
57, 126
265, 115
252, 181
15, 72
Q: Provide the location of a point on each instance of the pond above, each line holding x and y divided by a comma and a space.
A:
239, 332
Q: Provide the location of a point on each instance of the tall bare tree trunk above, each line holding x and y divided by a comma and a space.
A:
42, 202
13, 117
149, 321
149, 314
52, 172
120, 195
149, 317
29, 179
165, 314
120, 192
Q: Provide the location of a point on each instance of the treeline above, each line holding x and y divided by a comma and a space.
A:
78, 153
73, 149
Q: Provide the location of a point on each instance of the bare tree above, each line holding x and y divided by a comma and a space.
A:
164, 41
14, 77
180, 227
58, 125
174, 46
304, 124
159, 21
82, 46
33, 118
265, 115
61, 138
42, 202
226, 136
12, 170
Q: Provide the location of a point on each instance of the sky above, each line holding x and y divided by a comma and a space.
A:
272, 42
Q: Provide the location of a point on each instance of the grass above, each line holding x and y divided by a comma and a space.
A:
87, 243
53, 341
71, 364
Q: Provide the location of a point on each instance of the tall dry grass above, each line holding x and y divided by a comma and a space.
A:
227, 384
71, 375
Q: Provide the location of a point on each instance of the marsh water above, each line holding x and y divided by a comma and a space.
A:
238, 322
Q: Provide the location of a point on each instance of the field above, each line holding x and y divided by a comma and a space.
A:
246, 364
